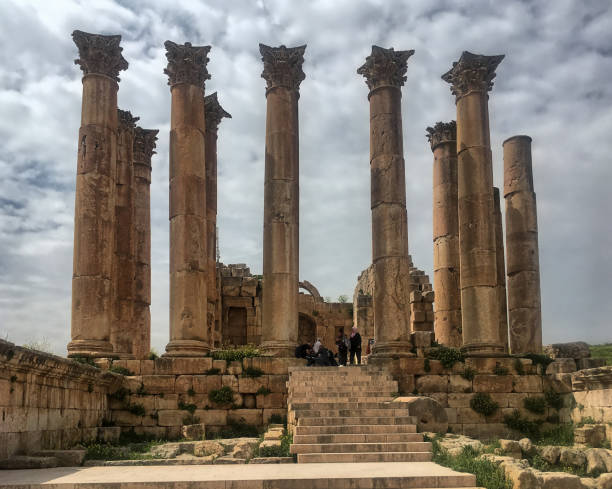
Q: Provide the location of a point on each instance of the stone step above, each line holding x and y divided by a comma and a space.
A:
342, 413
354, 429
334, 399
416, 446
338, 384
25, 462
305, 458
314, 392
358, 438
358, 420
329, 377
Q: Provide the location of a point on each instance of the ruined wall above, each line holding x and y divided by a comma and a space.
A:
49, 402
592, 396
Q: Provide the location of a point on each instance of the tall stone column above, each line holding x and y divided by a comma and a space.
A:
447, 315
501, 270
144, 148
122, 329
471, 78
524, 305
94, 233
188, 281
384, 71
283, 74
214, 113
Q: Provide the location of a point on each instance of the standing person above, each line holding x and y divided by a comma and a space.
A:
342, 348
316, 346
355, 341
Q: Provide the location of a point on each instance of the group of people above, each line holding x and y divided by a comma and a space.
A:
320, 356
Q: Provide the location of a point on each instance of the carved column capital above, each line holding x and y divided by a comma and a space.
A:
283, 66
186, 64
472, 73
442, 132
99, 54
144, 144
385, 67
126, 120
213, 112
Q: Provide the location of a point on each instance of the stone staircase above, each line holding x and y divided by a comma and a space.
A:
346, 415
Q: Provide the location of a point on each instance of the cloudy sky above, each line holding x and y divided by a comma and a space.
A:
554, 85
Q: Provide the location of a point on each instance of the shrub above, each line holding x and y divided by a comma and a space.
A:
212, 371
119, 394
518, 367
281, 451
238, 430
137, 409
500, 370
264, 391
141, 390
516, 422
190, 419
468, 373
562, 435
252, 372
187, 407
553, 399
483, 404
536, 405
225, 395
191, 392
537, 359
587, 420
238, 353
120, 370
447, 356
84, 360
153, 355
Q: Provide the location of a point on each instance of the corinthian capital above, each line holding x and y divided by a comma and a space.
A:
472, 73
385, 67
282, 66
442, 132
214, 112
126, 120
144, 144
99, 54
186, 64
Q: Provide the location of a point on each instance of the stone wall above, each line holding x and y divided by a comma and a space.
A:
48, 402
592, 396
160, 393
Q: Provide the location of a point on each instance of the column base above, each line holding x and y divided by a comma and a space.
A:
186, 348
90, 348
484, 350
392, 349
278, 349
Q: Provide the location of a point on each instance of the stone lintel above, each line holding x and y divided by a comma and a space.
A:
99, 54
214, 112
385, 67
442, 132
282, 66
144, 144
472, 73
186, 64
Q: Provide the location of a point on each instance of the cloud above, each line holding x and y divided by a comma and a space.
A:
553, 85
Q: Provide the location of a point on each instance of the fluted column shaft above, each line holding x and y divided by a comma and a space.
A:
144, 145
122, 329
283, 74
471, 79
447, 314
384, 71
188, 260
501, 270
524, 303
94, 231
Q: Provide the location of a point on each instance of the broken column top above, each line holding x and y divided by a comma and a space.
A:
385, 67
472, 73
100, 55
282, 66
144, 144
126, 119
186, 64
442, 132
214, 112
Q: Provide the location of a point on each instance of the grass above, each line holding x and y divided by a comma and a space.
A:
281, 451
488, 475
133, 451
238, 430
602, 351
238, 353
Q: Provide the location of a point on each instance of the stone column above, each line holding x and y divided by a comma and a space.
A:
144, 146
447, 315
283, 74
122, 329
501, 270
471, 78
101, 61
524, 306
214, 113
188, 292
385, 71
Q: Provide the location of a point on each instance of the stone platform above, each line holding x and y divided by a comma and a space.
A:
291, 476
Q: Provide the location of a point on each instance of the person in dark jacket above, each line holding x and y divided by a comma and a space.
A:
342, 348
355, 348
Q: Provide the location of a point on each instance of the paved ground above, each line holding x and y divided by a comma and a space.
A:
214, 476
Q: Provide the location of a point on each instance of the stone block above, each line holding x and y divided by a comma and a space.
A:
250, 385
421, 339
560, 480
561, 366
212, 417
493, 383
277, 383
230, 381
183, 384
234, 368
168, 401
194, 431
432, 383
527, 383
108, 434
221, 365
248, 416
171, 417
156, 384
147, 367
125, 418
459, 384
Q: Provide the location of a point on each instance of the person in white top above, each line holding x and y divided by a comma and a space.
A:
316, 346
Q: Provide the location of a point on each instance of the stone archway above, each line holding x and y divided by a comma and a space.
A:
307, 330
311, 289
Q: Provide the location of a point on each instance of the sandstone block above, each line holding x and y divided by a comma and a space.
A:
212, 417
432, 383
561, 366
109, 434
156, 384
527, 383
247, 416
511, 448
168, 401
170, 417
459, 384
560, 480
250, 385
183, 383
207, 448
493, 383
576, 349
572, 457
194, 431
